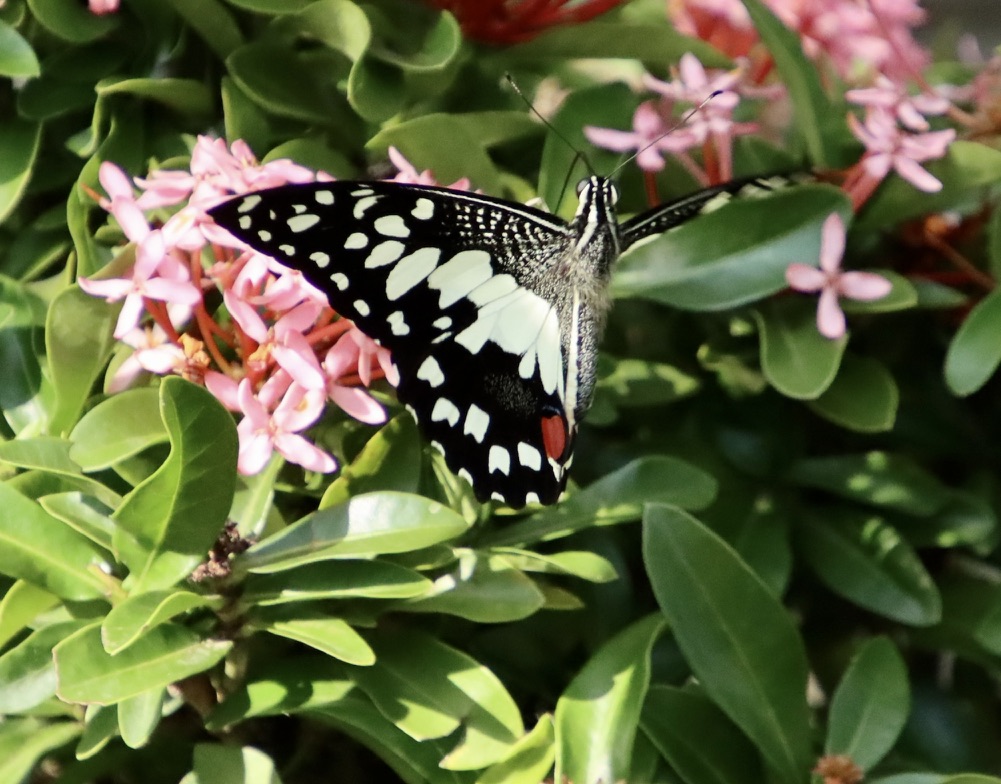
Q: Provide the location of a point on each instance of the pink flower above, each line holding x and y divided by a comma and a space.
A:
647, 136
272, 422
832, 283
101, 7
342, 358
407, 173
153, 353
892, 97
890, 147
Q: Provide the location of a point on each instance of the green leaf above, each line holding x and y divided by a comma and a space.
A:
902, 296
100, 726
78, 341
375, 90
71, 21
598, 714
975, 352
332, 636
36, 547
429, 689
170, 520
27, 673
481, 588
213, 22
818, 119
372, 579
582, 564
83, 515
732, 256
739, 641
966, 169
117, 428
529, 760
618, 497
338, 24
22, 602
863, 397
216, 764
369, 524
138, 716
690, 731
167, 653
19, 141
653, 44
391, 460
430, 48
17, 58
290, 684
795, 358
184, 96
23, 742
865, 560
880, 479
45, 453
136, 615
870, 706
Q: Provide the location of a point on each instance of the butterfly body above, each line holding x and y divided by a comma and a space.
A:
492, 310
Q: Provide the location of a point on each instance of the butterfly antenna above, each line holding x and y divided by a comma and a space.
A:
578, 154
688, 116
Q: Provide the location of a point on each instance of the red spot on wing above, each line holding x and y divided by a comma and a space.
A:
554, 436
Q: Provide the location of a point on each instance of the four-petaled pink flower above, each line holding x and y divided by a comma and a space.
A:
892, 97
832, 283
647, 136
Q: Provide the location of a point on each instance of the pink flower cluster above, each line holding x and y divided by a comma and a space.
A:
275, 353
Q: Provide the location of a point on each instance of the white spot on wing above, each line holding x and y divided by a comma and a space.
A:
445, 410
249, 203
340, 280
319, 258
460, 274
362, 307
442, 323
391, 226
532, 498
430, 371
288, 250
384, 253
302, 222
529, 456
245, 222
423, 210
499, 460
265, 235
477, 421
363, 203
324, 197
355, 241
398, 324
410, 271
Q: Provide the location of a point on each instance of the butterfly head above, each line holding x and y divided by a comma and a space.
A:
595, 224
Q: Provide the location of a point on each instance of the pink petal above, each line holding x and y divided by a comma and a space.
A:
223, 388
112, 289
692, 72
830, 319
131, 219
864, 286
172, 291
805, 278
255, 451
912, 172
296, 358
832, 243
611, 139
128, 318
357, 403
298, 450
299, 409
114, 181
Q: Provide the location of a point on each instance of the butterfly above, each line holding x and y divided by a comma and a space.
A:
492, 310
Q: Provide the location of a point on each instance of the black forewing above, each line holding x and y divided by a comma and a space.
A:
348, 237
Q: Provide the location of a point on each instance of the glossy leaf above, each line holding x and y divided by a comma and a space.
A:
602, 704
167, 653
330, 635
27, 673
83, 514
739, 641
879, 479
186, 96
735, 255
481, 588
139, 716
690, 731
17, 58
582, 564
863, 396
213, 22
71, 21
22, 602
618, 497
217, 764
36, 547
795, 358
870, 706
428, 689
46, 453
117, 428
529, 760
369, 524
140, 612
867, 561
169, 521
975, 352
20, 142
100, 727
340, 579
290, 684
24, 741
